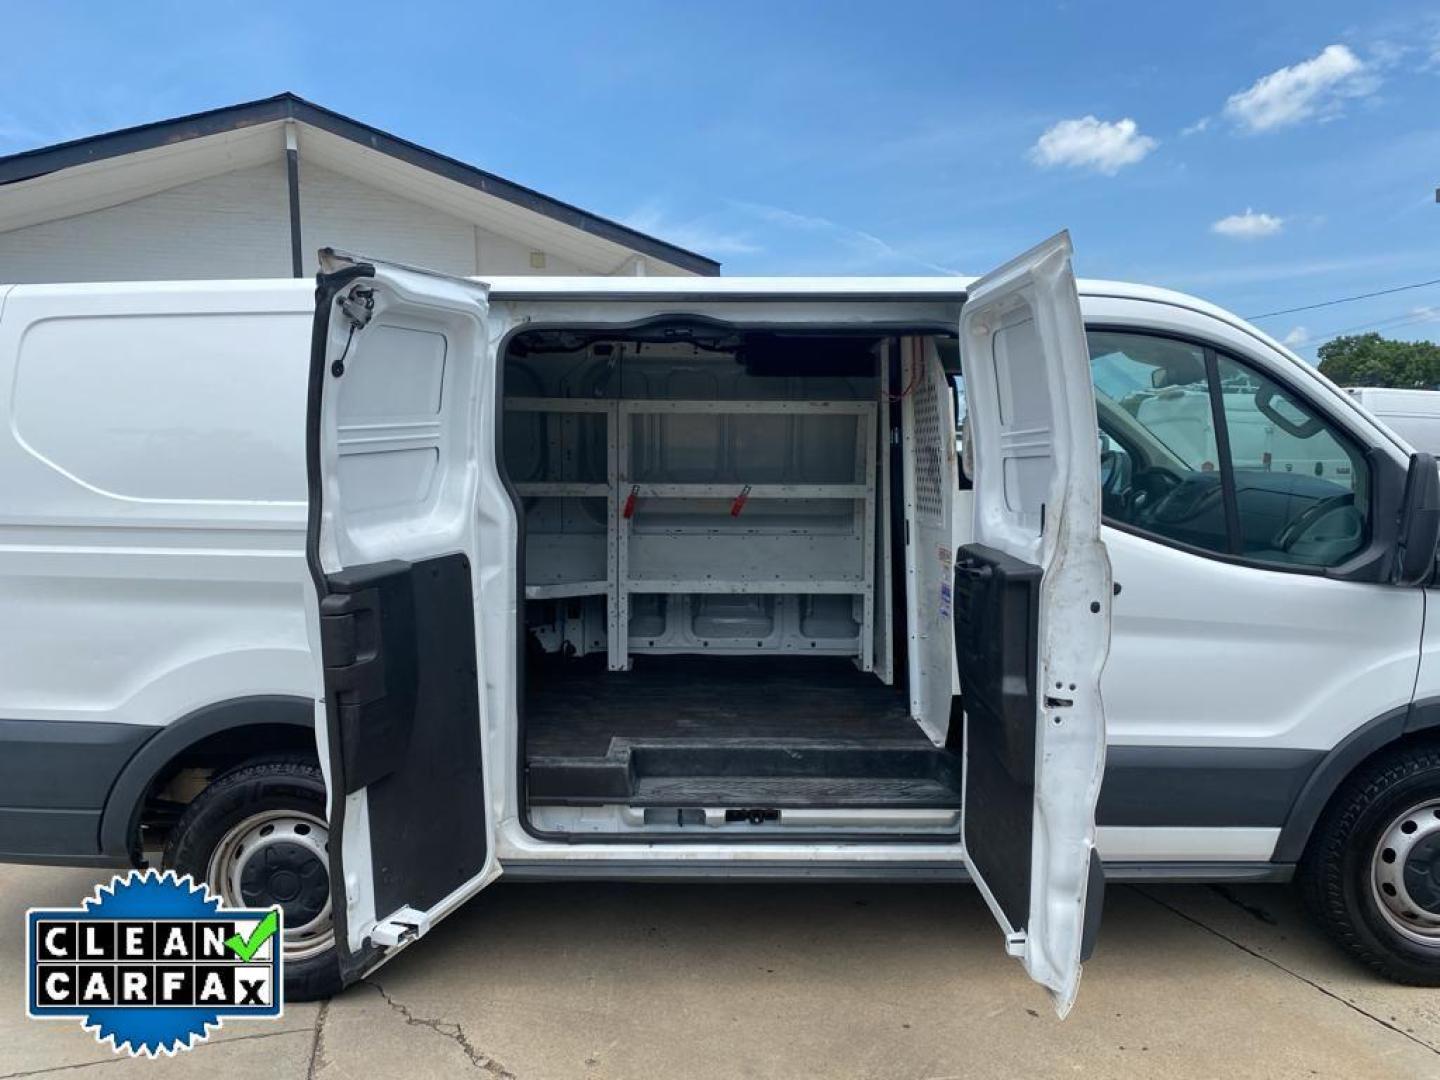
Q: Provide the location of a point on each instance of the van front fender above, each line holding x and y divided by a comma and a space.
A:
1340, 762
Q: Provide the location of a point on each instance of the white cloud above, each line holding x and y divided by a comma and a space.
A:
864, 250
1248, 226
695, 234
1297, 337
1312, 88
1196, 128
1088, 143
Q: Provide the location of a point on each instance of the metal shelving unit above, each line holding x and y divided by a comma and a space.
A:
770, 560
823, 557
566, 409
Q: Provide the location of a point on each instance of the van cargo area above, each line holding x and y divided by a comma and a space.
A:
726, 630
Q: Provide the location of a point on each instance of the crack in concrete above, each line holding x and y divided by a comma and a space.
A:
317, 1048
51, 1069
1253, 910
450, 1030
1293, 974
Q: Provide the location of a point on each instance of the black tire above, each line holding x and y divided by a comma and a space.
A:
1337, 873
231, 798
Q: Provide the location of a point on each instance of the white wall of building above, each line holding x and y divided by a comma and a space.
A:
238, 225
233, 225
339, 211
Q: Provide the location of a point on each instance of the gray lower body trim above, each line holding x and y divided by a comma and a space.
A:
55, 776
682, 872
28, 834
1202, 786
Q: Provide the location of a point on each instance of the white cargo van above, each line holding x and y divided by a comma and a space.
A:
643, 578
1414, 415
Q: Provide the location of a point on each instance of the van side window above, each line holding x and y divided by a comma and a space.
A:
1302, 491
1198, 448
1157, 439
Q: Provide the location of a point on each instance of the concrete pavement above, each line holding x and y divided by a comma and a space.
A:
598, 981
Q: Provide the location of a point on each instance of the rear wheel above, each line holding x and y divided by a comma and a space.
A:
257, 837
1371, 875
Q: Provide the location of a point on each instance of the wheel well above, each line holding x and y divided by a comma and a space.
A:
192, 768
1336, 772
169, 769
1427, 737
226, 749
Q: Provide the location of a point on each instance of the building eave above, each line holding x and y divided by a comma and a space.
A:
38, 163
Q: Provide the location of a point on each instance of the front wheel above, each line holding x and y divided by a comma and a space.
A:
1371, 876
257, 837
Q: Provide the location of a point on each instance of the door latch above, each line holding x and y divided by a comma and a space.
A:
401, 928
358, 306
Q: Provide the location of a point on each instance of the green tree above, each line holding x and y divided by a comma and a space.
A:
1371, 360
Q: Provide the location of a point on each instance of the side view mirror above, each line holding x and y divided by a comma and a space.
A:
1419, 531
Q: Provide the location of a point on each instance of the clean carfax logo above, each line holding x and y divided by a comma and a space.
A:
151, 963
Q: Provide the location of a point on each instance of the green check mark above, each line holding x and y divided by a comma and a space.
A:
245, 948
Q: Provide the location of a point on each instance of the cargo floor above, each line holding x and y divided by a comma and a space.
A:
574, 708
731, 731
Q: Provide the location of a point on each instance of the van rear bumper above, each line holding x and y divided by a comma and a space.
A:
55, 776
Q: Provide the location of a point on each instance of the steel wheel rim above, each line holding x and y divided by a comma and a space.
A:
1409, 840
251, 836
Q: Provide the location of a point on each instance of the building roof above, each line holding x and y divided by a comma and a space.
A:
228, 127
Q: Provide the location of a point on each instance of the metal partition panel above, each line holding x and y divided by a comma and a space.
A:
697, 544
562, 564
705, 549
930, 484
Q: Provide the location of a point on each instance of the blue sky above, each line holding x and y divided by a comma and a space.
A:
1264, 155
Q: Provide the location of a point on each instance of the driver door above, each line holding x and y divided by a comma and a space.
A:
398, 381
1032, 615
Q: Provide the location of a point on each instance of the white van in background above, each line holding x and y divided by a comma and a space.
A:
1414, 415
355, 599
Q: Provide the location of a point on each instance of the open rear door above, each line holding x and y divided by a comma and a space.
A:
398, 377
1032, 615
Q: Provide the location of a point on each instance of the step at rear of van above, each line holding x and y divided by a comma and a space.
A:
739, 773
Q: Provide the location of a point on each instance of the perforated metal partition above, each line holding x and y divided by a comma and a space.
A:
928, 444
930, 483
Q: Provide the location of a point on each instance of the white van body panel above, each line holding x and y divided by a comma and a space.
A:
1207, 653
172, 598
124, 409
